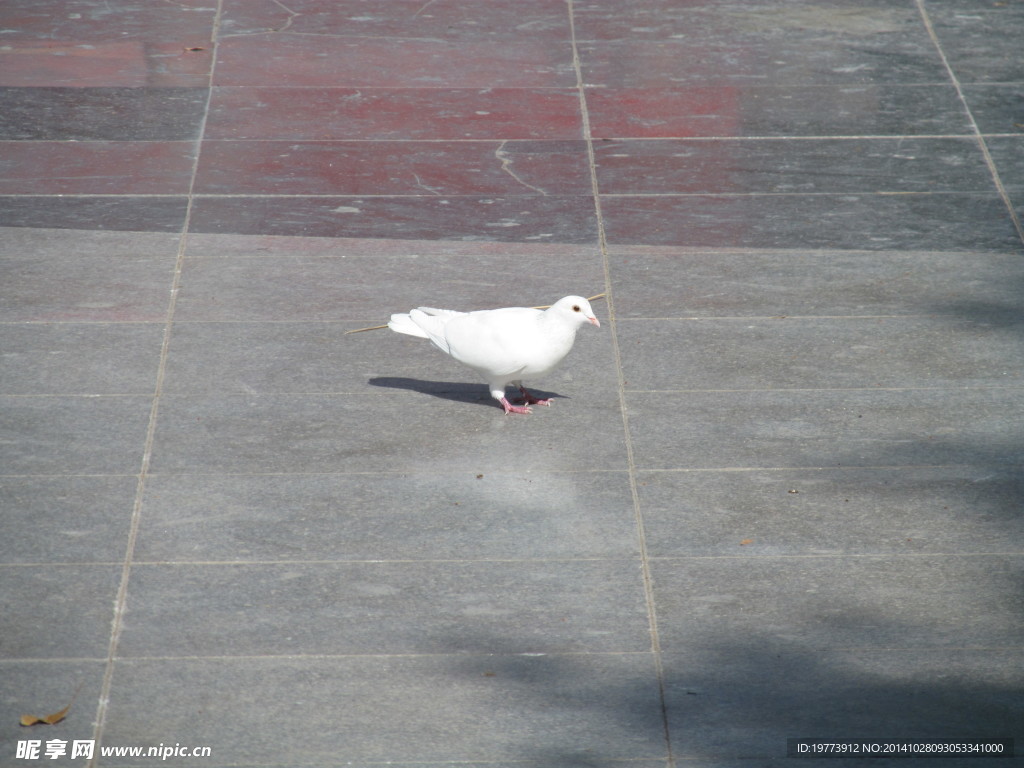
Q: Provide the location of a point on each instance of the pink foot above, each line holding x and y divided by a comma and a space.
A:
509, 408
530, 399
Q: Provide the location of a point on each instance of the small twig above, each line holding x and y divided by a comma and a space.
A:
378, 327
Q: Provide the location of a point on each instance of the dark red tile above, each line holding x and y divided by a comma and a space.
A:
96, 167
330, 61
129, 63
438, 19
684, 111
394, 168
185, 21
552, 219
394, 113
78, 43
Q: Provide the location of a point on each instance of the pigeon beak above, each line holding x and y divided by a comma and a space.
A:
595, 321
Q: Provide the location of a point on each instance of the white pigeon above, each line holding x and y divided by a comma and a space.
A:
504, 346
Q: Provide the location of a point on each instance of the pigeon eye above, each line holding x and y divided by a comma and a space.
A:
575, 307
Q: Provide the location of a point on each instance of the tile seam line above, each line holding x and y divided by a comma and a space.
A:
645, 566
242, 657
117, 622
505, 195
506, 472
616, 559
249, 657
498, 194
978, 135
528, 139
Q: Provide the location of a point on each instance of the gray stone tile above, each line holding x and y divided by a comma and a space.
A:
561, 218
737, 703
817, 603
826, 428
832, 21
243, 277
710, 109
75, 358
385, 607
129, 214
396, 430
82, 114
692, 166
758, 353
980, 40
73, 435
1008, 154
736, 57
302, 357
926, 510
679, 282
574, 710
997, 107
39, 688
65, 519
381, 516
54, 275
57, 611
954, 221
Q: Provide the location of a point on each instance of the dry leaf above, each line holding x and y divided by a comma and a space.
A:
53, 719
746, 541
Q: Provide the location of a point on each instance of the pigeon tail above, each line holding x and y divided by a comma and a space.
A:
402, 323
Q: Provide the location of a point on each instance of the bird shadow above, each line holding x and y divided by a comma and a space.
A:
460, 392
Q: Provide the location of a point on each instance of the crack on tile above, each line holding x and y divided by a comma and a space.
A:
291, 15
424, 7
184, 7
421, 185
506, 165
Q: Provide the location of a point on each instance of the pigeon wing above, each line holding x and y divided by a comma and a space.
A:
497, 342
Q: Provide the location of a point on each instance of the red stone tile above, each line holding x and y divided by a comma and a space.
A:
75, 43
664, 112
438, 19
552, 219
397, 113
95, 167
330, 61
128, 63
394, 168
189, 22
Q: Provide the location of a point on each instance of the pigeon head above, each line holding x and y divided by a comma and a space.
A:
575, 309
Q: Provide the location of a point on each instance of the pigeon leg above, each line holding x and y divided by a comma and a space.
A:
530, 399
509, 408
